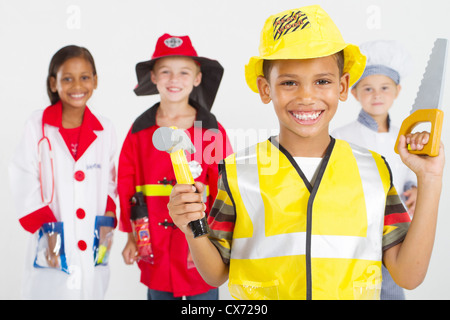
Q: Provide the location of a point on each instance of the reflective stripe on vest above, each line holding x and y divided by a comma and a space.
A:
250, 176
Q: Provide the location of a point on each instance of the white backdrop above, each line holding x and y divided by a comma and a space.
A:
121, 33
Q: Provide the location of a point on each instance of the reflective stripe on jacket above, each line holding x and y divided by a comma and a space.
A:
294, 240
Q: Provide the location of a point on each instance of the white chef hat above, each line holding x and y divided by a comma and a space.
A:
386, 57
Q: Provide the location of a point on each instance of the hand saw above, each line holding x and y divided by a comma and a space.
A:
428, 101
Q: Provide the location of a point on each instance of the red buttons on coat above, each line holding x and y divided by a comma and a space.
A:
81, 214
82, 245
79, 175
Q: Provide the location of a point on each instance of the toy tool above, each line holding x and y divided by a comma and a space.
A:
176, 142
428, 101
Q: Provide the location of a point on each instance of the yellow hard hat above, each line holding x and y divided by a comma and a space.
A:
303, 33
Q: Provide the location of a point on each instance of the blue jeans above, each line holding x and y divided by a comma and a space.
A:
212, 294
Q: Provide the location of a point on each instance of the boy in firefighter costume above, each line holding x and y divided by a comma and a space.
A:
187, 85
303, 215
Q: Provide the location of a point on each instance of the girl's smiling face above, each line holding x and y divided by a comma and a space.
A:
75, 82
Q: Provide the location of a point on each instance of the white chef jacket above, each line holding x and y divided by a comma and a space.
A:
81, 192
364, 132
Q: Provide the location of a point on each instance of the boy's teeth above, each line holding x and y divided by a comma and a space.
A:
78, 95
307, 116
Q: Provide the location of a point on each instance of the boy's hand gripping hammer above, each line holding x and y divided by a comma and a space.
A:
175, 141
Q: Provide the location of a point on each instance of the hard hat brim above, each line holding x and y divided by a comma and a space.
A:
354, 60
204, 94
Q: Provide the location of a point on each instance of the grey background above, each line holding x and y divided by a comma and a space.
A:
121, 33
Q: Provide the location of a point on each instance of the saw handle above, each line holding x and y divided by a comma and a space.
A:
435, 117
184, 176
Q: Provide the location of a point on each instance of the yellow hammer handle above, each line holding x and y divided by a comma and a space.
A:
435, 117
181, 168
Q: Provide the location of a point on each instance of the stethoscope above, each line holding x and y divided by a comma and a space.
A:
42, 142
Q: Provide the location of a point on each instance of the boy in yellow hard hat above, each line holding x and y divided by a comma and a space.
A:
303, 215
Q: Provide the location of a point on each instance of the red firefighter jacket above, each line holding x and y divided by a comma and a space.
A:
144, 168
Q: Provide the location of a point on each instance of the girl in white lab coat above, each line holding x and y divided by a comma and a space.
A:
376, 91
63, 184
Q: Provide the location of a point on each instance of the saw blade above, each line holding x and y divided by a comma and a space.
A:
431, 90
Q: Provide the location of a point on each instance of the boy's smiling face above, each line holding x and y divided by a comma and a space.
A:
175, 77
376, 93
305, 94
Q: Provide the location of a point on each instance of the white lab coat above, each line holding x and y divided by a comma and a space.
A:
382, 143
84, 281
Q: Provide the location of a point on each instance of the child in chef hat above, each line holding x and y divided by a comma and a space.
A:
388, 62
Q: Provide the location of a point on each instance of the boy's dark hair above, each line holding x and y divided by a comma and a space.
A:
59, 58
267, 64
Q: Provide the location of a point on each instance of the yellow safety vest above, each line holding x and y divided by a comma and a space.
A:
294, 240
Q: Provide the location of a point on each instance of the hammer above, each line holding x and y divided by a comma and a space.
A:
175, 141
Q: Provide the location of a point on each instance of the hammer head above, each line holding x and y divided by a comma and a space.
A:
171, 140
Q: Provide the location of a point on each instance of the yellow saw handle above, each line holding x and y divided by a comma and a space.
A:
436, 117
